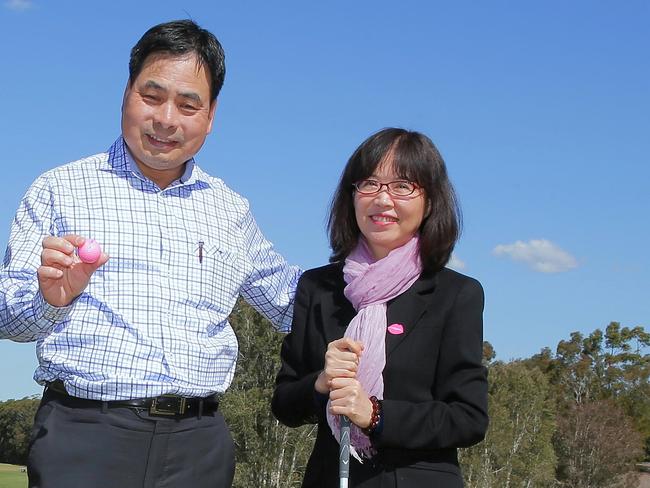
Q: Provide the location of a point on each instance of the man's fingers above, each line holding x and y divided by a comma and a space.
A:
53, 257
60, 251
63, 244
103, 259
74, 239
49, 273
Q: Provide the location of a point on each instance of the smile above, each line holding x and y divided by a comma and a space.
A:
158, 142
383, 218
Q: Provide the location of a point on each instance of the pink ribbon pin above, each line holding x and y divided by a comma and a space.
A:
396, 329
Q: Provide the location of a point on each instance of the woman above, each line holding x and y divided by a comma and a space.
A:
385, 335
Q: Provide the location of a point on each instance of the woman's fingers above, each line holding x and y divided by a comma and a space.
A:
341, 361
347, 344
349, 384
342, 358
350, 399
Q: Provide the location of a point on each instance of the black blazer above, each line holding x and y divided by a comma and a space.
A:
435, 386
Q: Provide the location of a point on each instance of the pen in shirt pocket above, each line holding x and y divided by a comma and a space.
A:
200, 252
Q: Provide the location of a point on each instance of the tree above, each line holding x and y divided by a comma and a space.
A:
488, 353
268, 453
596, 444
627, 373
16, 420
612, 365
517, 451
578, 368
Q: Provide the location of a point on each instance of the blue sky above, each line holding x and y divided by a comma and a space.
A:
541, 110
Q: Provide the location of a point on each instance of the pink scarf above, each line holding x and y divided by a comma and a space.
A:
370, 284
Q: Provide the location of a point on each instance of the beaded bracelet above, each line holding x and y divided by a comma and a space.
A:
374, 418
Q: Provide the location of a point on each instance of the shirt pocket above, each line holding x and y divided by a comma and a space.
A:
214, 274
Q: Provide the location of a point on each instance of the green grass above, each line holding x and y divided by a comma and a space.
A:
12, 477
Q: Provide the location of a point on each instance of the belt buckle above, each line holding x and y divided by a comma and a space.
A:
167, 405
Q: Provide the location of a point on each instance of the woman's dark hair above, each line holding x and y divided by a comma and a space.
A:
177, 38
414, 158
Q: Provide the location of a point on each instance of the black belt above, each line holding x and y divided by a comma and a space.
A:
161, 406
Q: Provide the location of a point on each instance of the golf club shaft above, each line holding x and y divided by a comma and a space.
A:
344, 452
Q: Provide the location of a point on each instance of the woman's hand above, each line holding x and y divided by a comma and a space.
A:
350, 399
341, 361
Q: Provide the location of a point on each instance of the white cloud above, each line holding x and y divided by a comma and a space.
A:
539, 254
455, 263
19, 4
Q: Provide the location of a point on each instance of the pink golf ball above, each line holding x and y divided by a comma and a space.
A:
89, 251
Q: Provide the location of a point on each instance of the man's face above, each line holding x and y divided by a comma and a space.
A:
166, 115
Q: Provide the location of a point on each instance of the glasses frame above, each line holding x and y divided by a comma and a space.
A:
387, 185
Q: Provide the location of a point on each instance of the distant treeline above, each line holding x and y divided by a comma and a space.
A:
578, 417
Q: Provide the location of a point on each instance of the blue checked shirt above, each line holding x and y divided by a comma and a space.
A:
153, 320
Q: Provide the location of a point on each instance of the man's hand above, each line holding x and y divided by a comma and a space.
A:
341, 361
62, 276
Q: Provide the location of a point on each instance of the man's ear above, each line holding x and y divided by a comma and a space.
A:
213, 109
127, 90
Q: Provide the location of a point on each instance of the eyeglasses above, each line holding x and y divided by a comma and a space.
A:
399, 188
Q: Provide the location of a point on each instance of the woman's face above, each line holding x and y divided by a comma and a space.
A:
386, 221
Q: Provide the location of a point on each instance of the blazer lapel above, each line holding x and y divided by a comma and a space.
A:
407, 309
336, 310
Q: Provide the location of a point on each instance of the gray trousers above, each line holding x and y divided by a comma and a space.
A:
74, 446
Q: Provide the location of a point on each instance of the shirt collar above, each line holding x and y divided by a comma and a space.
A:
121, 160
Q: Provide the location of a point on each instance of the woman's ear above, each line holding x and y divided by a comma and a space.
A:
427, 211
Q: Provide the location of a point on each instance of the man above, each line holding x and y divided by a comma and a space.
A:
134, 348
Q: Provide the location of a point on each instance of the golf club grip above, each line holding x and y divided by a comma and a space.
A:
344, 451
